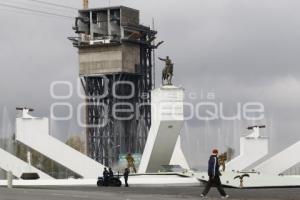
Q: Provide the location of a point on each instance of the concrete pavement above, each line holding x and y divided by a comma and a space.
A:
142, 193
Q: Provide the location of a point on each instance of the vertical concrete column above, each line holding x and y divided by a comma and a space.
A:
108, 22
9, 179
167, 120
91, 26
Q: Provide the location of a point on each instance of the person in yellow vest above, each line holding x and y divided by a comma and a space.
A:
222, 160
130, 162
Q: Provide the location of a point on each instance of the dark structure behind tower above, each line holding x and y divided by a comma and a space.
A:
115, 60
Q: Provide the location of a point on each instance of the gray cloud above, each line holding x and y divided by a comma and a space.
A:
242, 50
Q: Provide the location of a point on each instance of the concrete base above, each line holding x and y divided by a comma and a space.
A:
280, 162
178, 157
167, 121
34, 132
252, 148
254, 181
171, 179
9, 162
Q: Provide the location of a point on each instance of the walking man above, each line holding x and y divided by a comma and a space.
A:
110, 173
214, 176
126, 174
105, 177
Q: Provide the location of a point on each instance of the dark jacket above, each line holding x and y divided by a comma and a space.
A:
126, 173
105, 174
213, 166
110, 173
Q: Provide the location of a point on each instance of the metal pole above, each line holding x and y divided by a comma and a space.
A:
154, 61
9, 179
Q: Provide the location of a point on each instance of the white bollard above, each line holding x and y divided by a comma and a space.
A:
9, 179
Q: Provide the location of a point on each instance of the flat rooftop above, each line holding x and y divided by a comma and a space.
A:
106, 8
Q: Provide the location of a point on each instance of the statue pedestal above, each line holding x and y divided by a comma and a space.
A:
34, 133
252, 148
167, 121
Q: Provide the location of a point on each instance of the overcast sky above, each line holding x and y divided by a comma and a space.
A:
242, 50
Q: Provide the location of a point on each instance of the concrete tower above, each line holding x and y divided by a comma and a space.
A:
115, 67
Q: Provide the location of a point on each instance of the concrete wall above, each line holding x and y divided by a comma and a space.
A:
281, 161
106, 59
131, 57
99, 60
110, 57
130, 16
251, 151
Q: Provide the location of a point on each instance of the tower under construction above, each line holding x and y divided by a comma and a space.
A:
116, 71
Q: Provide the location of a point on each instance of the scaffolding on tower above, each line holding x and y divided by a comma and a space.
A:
116, 70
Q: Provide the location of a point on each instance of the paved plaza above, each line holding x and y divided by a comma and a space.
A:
142, 193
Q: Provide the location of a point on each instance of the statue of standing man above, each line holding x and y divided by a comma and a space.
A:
167, 73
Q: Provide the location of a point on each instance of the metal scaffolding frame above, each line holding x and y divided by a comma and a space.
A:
106, 142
